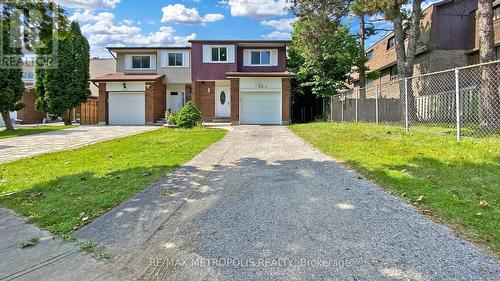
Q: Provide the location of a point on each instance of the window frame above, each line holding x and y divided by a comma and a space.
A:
175, 59
25, 74
496, 12
393, 39
369, 55
260, 57
393, 77
141, 68
219, 48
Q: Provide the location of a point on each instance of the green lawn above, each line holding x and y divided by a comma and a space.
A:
24, 131
62, 191
458, 182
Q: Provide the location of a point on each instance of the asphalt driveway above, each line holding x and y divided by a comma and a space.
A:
263, 205
27, 146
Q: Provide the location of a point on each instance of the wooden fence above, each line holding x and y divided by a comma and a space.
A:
87, 111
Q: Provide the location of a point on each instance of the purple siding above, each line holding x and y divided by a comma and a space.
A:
217, 71
279, 68
208, 71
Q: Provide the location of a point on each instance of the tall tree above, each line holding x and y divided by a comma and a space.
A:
11, 83
489, 76
67, 85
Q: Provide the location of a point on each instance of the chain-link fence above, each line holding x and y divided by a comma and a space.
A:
463, 101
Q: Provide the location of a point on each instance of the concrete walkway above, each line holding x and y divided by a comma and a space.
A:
27, 146
263, 205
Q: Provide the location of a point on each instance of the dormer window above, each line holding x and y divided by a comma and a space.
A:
260, 58
219, 54
141, 62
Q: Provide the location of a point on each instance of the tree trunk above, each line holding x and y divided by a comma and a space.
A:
490, 97
361, 68
7, 121
67, 117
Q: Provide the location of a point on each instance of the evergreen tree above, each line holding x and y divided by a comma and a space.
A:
67, 85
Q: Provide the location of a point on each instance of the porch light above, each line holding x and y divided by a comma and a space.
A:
124, 85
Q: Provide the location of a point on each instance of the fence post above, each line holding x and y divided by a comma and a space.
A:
377, 93
406, 106
342, 107
331, 109
356, 97
457, 101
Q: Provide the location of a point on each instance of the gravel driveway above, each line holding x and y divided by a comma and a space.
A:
263, 205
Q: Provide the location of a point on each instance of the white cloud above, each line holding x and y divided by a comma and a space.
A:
257, 8
102, 30
280, 25
178, 13
88, 4
278, 35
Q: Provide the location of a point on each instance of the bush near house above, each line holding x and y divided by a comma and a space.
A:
189, 116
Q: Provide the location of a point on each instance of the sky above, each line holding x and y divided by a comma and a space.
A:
174, 22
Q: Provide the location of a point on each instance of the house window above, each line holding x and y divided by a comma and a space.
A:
141, 62
219, 53
369, 55
496, 12
260, 58
391, 42
394, 72
28, 74
175, 59
497, 52
368, 82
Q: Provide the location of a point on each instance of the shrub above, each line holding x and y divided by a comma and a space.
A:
189, 116
171, 117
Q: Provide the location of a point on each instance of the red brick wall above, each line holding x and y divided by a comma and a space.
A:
285, 101
235, 101
155, 101
29, 114
204, 100
102, 105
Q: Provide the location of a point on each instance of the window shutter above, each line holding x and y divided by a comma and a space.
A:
246, 57
152, 62
206, 54
274, 57
164, 58
185, 59
128, 62
230, 53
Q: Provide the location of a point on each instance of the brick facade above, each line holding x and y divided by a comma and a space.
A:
203, 96
235, 101
285, 100
102, 111
155, 101
29, 114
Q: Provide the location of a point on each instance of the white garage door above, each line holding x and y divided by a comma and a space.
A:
260, 108
126, 108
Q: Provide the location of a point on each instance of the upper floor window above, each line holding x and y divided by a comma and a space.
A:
219, 54
497, 52
175, 59
391, 42
141, 62
496, 12
394, 72
260, 57
369, 55
28, 74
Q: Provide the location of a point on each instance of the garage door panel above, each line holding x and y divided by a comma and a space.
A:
126, 108
260, 108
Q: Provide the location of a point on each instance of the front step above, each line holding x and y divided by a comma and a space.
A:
221, 120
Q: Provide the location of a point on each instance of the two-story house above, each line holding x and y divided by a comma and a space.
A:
449, 38
244, 82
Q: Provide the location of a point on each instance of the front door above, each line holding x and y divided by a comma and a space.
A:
222, 102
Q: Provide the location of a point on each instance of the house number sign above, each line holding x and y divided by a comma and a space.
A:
260, 86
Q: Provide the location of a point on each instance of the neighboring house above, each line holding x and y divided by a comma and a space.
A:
99, 67
448, 39
244, 82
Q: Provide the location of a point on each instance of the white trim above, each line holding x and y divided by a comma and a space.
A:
128, 61
207, 53
273, 57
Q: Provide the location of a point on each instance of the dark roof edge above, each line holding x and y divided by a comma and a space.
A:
239, 41
147, 48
